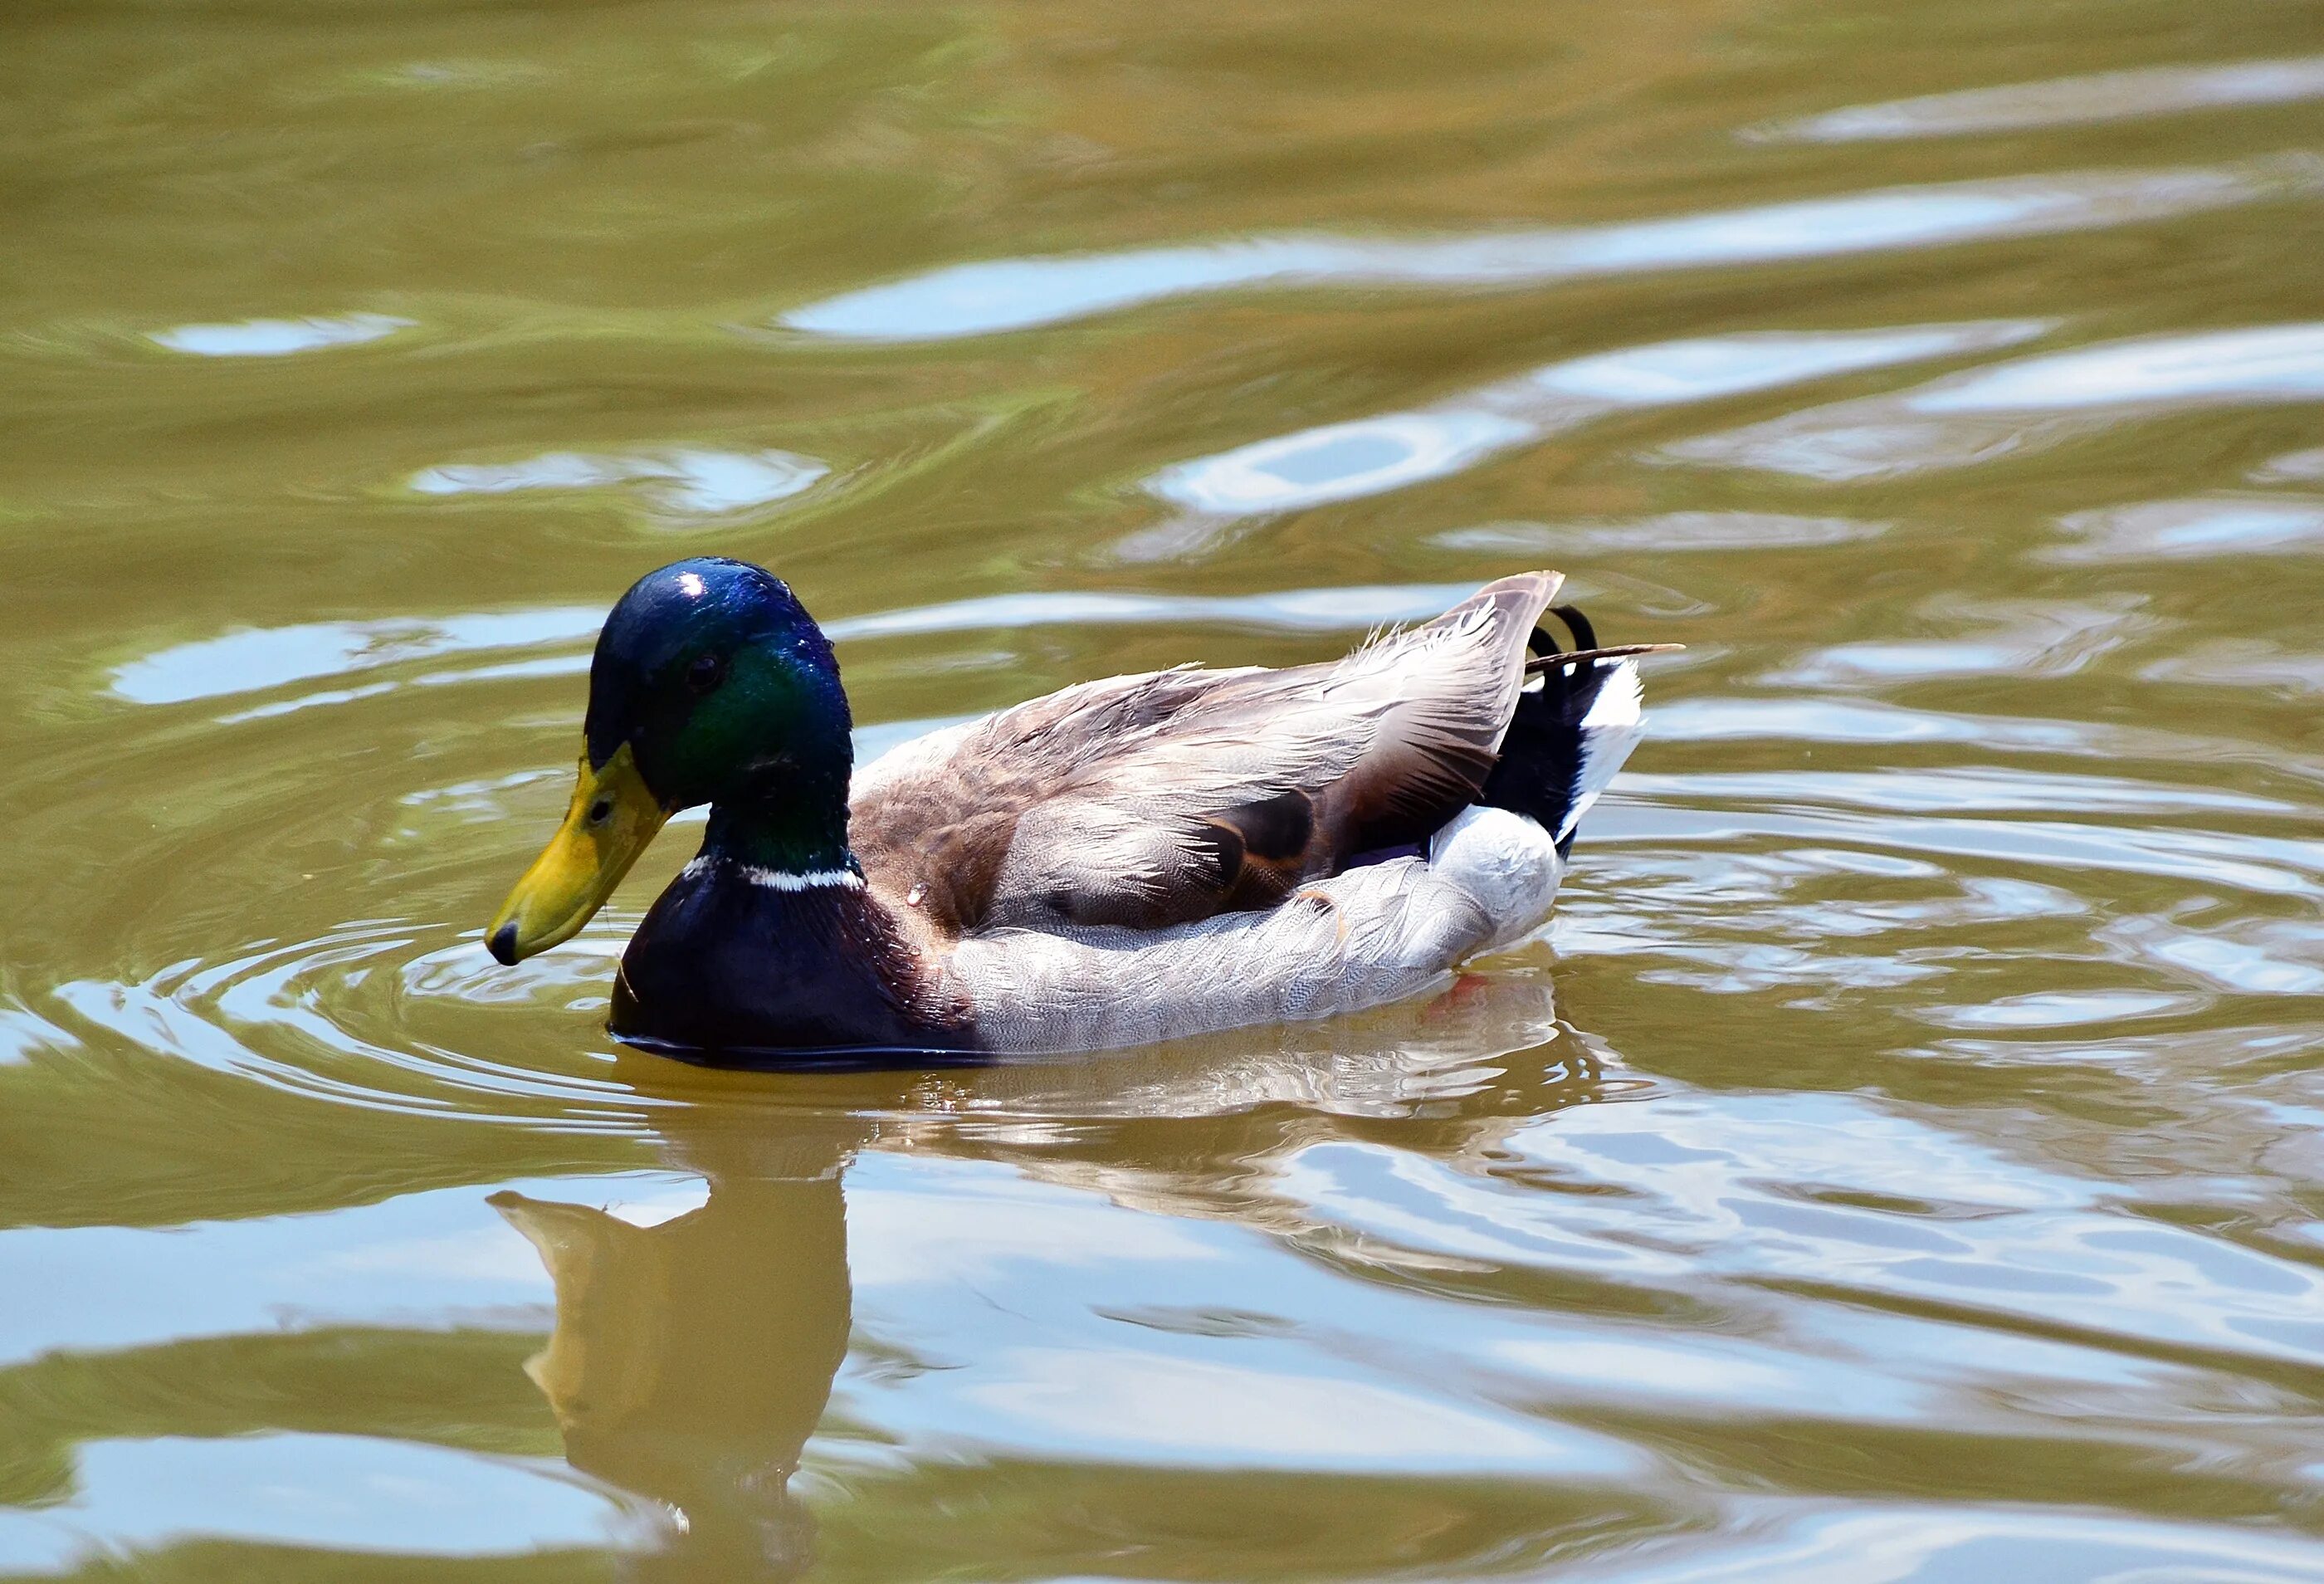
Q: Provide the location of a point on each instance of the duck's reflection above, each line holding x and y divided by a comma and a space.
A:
692, 1358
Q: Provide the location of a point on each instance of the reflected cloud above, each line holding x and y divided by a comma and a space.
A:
1867, 1198
1293, 610
1669, 531
345, 1492
681, 481
1370, 455
999, 295
1690, 1372
1817, 1541
2020, 406
356, 1267
278, 338
2292, 467
25, 1034
2050, 1009
1953, 790
1163, 1411
2213, 525
2108, 96
2257, 956
1809, 719
272, 657
950, 1233
1340, 461
2268, 363
2242, 662
2212, 859
2019, 637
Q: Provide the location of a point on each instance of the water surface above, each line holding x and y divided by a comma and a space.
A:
1899, 1160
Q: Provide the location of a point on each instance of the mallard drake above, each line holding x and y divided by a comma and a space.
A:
1171, 853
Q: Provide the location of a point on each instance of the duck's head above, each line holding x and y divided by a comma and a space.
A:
711, 684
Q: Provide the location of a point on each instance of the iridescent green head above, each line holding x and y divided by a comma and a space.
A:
711, 684
717, 680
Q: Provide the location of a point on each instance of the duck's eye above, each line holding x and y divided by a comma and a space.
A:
705, 673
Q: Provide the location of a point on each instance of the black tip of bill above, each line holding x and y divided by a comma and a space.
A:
503, 944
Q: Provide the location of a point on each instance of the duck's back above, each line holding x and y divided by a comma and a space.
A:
1183, 851
1143, 803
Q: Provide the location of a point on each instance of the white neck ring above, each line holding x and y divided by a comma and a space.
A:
782, 879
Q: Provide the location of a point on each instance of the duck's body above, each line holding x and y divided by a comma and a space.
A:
1123, 861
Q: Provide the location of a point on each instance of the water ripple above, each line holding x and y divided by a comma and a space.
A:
1818, 1543
1955, 788
310, 1491
2292, 468
1014, 294
2269, 865
383, 1015
1837, 1191
2017, 407
278, 338
271, 657
1669, 532
2108, 96
263, 1016
1370, 455
265, 658
2005, 637
2210, 525
681, 481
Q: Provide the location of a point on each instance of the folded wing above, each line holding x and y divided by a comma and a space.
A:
1159, 799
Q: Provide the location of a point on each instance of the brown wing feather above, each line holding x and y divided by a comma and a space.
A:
1152, 800
936, 817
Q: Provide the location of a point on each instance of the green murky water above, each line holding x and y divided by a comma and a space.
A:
1899, 1161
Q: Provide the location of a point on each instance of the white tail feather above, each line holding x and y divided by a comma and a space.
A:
1616, 722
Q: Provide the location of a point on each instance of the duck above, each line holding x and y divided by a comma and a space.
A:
1122, 862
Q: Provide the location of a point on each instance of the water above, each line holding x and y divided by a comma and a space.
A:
1900, 1160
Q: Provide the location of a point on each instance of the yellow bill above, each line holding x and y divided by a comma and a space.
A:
612, 819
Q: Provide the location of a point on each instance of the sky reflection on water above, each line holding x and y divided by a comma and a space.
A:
1896, 1159
1015, 295
2113, 95
2012, 408
1370, 455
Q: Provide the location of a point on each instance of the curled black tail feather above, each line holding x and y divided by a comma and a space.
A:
1575, 723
